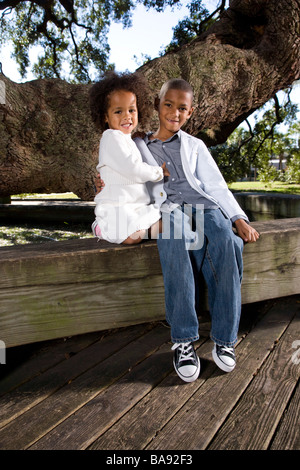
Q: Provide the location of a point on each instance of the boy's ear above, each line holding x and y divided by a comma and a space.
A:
156, 103
191, 112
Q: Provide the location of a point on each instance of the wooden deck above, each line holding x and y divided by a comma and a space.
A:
117, 390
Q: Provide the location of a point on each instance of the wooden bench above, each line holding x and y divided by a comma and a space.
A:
67, 288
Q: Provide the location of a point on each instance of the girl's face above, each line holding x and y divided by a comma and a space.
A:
122, 113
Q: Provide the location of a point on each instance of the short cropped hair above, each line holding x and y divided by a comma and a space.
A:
175, 84
110, 82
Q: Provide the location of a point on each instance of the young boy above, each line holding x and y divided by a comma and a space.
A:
195, 180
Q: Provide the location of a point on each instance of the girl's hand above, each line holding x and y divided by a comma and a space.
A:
165, 170
245, 231
99, 184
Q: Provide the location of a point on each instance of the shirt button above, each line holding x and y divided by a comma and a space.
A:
169, 163
161, 194
173, 179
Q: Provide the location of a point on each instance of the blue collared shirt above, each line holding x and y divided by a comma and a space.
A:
177, 188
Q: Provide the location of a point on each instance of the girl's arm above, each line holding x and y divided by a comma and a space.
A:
120, 157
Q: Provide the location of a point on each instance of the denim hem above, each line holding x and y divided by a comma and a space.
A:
230, 344
185, 340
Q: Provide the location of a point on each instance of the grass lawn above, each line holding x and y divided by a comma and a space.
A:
275, 187
23, 197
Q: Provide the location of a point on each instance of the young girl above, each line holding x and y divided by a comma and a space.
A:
123, 210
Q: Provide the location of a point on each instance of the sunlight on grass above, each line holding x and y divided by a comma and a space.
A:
275, 187
45, 196
22, 235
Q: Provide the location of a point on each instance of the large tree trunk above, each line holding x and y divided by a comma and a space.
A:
47, 139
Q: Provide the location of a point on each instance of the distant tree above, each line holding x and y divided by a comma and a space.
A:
255, 146
292, 174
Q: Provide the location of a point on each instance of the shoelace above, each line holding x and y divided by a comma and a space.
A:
185, 349
227, 350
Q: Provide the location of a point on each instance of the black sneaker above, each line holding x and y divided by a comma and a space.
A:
186, 361
224, 357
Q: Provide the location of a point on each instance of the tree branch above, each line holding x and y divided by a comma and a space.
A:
76, 50
219, 10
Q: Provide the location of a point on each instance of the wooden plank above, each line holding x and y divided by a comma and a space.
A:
28, 428
76, 261
253, 422
154, 411
45, 312
29, 394
26, 362
272, 265
287, 437
68, 288
195, 425
72, 288
84, 426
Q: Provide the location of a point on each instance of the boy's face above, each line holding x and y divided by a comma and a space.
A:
122, 111
174, 109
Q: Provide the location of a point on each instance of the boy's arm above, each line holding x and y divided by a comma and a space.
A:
214, 184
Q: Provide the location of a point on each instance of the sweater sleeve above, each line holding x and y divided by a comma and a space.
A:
214, 183
118, 154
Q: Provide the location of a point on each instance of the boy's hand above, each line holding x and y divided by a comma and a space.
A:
165, 170
99, 184
245, 231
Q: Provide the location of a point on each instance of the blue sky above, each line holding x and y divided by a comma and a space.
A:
150, 31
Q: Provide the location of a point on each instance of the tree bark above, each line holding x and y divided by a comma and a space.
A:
49, 144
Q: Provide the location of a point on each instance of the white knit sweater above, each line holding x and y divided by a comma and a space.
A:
123, 206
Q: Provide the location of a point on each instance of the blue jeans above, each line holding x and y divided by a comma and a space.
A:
218, 258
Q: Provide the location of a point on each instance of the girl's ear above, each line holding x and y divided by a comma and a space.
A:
156, 103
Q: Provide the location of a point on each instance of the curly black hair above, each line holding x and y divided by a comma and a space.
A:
111, 81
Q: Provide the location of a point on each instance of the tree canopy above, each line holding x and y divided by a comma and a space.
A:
71, 34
